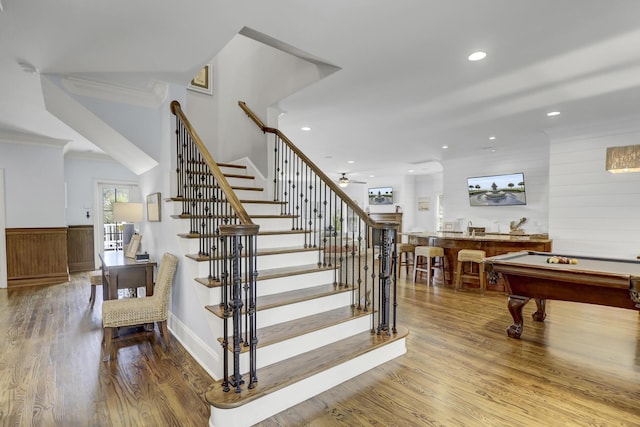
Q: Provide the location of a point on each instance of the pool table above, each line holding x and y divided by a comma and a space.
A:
527, 274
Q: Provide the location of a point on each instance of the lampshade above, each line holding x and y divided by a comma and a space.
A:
127, 212
623, 159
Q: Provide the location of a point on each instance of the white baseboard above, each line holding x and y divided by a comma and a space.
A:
199, 350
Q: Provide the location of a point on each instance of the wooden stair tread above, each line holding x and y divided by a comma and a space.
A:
231, 165
282, 374
260, 252
260, 233
274, 273
283, 331
233, 187
275, 232
266, 302
243, 201
259, 216
234, 175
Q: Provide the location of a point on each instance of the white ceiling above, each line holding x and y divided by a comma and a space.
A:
404, 89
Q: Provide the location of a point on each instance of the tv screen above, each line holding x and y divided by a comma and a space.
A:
381, 196
497, 190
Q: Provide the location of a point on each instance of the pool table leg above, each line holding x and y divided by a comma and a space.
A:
540, 313
515, 305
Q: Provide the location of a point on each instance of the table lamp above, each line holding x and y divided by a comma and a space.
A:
128, 214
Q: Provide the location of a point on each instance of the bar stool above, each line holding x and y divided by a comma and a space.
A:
406, 249
472, 256
429, 252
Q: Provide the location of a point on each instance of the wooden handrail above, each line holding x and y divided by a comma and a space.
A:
328, 181
213, 166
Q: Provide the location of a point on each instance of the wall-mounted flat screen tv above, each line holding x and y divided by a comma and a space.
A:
381, 196
497, 190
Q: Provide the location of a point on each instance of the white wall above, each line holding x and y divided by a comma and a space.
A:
531, 159
427, 186
80, 174
245, 70
34, 183
592, 211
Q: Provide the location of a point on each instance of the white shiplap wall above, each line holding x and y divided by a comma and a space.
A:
532, 159
592, 211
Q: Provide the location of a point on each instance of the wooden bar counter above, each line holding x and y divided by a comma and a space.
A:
492, 243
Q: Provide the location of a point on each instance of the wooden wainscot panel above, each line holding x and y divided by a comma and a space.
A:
36, 256
80, 248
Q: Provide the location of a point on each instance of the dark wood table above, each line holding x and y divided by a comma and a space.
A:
593, 280
120, 272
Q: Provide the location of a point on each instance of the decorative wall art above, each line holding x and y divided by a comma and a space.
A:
202, 82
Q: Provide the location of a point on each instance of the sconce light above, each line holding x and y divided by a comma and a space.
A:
128, 213
623, 159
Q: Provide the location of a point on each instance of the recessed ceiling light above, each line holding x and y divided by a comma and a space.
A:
477, 56
410, 171
372, 176
491, 138
553, 113
305, 128
350, 162
445, 147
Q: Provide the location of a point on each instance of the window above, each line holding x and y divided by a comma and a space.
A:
112, 236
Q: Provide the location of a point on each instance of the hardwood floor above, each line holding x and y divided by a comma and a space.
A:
581, 367
51, 373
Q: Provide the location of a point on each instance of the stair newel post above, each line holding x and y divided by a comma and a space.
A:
179, 160
316, 205
276, 171
253, 322
227, 313
235, 233
297, 194
386, 270
236, 304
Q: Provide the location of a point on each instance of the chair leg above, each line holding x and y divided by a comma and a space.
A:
483, 285
415, 265
428, 270
92, 298
162, 326
107, 338
458, 275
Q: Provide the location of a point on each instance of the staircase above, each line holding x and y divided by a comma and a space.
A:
314, 330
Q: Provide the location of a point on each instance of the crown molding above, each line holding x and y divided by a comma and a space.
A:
152, 96
7, 137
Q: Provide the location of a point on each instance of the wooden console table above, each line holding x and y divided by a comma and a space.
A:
120, 272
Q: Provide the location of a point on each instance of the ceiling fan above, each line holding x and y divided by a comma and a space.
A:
344, 181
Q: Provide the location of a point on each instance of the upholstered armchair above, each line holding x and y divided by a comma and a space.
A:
139, 311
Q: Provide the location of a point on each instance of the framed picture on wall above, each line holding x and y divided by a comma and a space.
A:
153, 207
202, 81
423, 203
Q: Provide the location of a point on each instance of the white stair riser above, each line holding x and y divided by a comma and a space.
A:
266, 262
281, 240
262, 208
260, 409
290, 312
241, 182
303, 343
250, 195
272, 224
233, 171
281, 284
